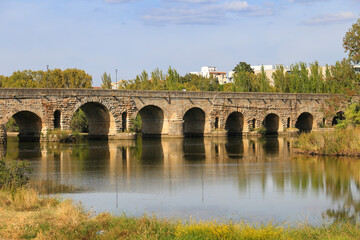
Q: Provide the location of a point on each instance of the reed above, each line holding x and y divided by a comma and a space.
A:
340, 142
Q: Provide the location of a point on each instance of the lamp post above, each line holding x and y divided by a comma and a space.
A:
47, 76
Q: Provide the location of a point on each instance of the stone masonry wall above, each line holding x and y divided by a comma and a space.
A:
253, 107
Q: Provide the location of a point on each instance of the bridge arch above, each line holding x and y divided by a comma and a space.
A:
271, 123
194, 122
340, 115
234, 123
152, 119
30, 125
100, 120
304, 122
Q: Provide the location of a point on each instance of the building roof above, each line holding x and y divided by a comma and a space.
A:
217, 72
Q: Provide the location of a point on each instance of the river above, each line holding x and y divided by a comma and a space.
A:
255, 180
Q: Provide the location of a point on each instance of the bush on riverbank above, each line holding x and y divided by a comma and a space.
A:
340, 142
23, 214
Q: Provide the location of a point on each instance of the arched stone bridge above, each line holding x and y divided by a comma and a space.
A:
166, 113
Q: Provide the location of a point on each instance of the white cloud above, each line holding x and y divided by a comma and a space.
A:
307, 1
118, 1
331, 18
212, 13
197, 1
181, 16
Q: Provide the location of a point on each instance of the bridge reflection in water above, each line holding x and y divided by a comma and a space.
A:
255, 179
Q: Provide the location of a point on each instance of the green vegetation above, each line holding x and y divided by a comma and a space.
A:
351, 42
79, 122
341, 142
106, 81
301, 78
59, 135
344, 141
14, 174
11, 126
55, 78
26, 215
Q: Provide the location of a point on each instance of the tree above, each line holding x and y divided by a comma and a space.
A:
316, 78
263, 80
106, 81
172, 80
56, 78
351, 42
243, 66
281, 82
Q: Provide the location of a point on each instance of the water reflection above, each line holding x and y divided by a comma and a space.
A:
255, 179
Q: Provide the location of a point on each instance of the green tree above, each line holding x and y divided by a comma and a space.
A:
351, 42
106, 81
316, 78
280, 81
243, 66
2, 79
158, 79
263, 81
76, 78
341, 77
172, 79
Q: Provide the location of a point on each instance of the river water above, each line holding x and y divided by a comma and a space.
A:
256, 180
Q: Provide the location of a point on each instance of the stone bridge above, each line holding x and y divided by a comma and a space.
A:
110, 113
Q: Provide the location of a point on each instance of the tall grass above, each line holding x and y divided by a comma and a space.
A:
25, 215
340, 142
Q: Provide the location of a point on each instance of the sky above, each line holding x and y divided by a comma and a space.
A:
133, 35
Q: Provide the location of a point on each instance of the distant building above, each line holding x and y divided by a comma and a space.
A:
117, 84
357, 69
210, 71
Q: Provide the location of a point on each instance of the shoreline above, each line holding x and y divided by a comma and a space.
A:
24, 214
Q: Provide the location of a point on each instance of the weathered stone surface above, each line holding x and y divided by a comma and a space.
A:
163, 112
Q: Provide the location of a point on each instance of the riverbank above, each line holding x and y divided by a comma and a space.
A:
340, 142
25, 215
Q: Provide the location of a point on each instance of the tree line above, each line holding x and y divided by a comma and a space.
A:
55, 78
298, 78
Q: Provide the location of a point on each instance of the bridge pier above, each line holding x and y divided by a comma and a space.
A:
3, 135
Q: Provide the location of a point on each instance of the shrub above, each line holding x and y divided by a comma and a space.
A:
14, 174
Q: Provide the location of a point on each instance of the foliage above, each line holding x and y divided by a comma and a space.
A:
14, 174
79, 122
106, 81
247, 81
11, 126
351, 42
331, 106
243, 67
64, 135
341, 142
137, 124
56, 78
55, 219
352, 117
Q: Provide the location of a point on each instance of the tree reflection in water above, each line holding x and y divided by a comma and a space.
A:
214, 165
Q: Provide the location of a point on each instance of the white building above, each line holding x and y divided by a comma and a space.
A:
210, 71
357, 69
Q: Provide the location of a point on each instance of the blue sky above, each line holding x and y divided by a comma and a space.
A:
131, 35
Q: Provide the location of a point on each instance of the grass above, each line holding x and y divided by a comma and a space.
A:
340, 142
25, 215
